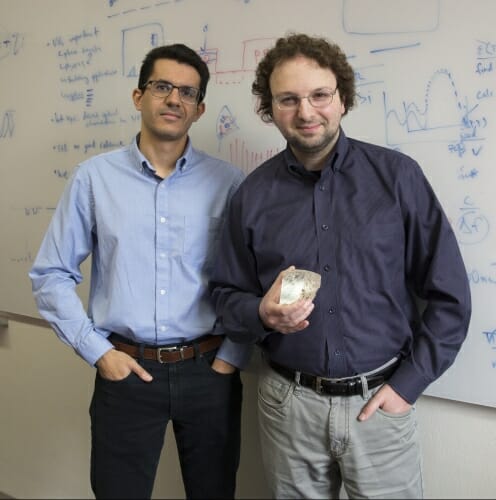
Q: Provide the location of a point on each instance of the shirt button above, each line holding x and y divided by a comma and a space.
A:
327, 268
332, 310
162, 292
163, 328
162, 255
325, 227
337, 352
322, 187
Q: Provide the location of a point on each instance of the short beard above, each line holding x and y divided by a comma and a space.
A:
309, 149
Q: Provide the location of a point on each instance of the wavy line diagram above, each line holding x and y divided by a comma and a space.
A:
439, 118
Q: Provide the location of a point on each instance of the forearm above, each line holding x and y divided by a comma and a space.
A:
58, 303
239, 314
434, 349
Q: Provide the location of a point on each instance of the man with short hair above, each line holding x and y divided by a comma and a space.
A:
150, 215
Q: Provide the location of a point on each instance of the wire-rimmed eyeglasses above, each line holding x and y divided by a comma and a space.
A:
317, 98
162, 89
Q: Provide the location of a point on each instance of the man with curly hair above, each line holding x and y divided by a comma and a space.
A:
342, 372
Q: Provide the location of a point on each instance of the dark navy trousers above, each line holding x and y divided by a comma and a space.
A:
129, 419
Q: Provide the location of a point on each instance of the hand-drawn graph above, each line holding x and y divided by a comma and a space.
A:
443, 116
252, 52
136, 41
247, 159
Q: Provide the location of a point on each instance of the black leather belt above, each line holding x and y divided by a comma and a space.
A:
349, 386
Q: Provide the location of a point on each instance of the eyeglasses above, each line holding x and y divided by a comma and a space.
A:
163, 89
318, 99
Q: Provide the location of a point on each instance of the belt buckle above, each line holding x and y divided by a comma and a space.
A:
351, 387
169, 349
318, 385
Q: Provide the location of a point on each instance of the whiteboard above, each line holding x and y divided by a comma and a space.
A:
426, 75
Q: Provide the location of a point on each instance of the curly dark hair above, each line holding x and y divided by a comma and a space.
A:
325, 53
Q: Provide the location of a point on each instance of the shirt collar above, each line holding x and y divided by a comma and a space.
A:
295, 167
184, 162
340, 151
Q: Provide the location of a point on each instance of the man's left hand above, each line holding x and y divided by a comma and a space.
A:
388, 400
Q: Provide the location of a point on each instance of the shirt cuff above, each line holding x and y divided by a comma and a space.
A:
234, 353
407, 382
94, 347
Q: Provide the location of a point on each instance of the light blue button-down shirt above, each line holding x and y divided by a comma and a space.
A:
153, 243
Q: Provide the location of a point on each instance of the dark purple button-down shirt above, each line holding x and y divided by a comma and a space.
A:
393, 280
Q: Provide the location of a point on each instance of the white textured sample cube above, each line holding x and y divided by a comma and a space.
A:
299, 284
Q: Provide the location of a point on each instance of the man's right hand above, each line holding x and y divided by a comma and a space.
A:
116, 365
284, 318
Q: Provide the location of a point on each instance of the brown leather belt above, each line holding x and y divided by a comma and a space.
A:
169, 354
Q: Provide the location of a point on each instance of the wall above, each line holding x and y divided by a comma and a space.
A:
44, 431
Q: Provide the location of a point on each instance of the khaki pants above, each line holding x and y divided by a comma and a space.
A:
313, 444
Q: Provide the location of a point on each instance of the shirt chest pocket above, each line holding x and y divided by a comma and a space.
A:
201, 235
